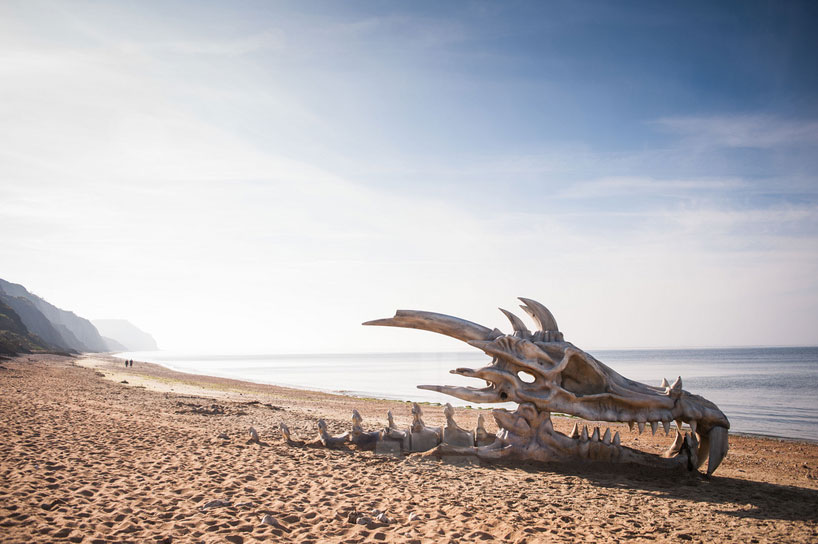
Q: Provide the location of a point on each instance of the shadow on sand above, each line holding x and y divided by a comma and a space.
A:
746, 499
758, 500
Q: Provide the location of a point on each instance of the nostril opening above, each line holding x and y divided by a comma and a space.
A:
503, 395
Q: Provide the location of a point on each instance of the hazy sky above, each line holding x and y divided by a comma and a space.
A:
258, 176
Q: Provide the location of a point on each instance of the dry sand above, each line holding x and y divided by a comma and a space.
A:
85, 457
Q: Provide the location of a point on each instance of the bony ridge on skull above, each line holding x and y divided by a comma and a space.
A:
561, 378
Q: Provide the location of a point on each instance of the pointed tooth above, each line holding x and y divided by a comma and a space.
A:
666, 425
703, 450
676, 446
607, 438
664, 383
584, 435
574, 431
693, 424
718, 448
641, 426
595, 436
631, 425
677, 385
679, 424
653, 426
616, 439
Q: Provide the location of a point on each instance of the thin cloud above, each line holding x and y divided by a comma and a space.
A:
269, 41
742, 131
645, 186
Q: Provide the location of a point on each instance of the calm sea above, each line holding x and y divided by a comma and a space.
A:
769, 391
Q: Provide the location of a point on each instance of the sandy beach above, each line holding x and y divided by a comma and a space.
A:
93, 452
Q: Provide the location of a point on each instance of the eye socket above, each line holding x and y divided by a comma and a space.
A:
526, 377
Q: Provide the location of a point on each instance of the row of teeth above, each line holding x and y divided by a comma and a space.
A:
654, 426
606, 438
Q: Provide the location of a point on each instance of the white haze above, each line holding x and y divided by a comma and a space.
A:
179, 185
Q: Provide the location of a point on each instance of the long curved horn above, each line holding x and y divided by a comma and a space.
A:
517, 323
545, 320
439, 323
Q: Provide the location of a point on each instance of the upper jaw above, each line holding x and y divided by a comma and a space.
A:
618, 399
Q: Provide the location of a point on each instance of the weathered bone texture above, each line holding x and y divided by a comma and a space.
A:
559, 377
421, 437
287, 436
328, 440
481, 435
453, 435
361, 438
393, 440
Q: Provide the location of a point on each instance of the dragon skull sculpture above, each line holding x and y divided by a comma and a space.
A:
564, 379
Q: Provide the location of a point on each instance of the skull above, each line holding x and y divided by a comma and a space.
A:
543, 373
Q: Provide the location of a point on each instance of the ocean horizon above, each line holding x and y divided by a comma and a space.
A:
767, 391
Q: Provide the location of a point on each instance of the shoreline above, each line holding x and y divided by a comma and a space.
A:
87, 458
562, 422
382, 396
375, 396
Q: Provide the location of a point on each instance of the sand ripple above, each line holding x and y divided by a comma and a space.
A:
86, 458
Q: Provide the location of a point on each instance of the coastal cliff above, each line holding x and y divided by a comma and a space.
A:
29, 323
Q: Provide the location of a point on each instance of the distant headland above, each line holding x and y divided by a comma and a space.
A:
30, 324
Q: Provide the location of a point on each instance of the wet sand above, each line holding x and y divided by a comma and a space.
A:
85, 457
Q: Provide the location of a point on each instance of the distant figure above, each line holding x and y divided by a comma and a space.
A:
126, 363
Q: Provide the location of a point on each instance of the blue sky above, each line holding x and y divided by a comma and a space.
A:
646, 170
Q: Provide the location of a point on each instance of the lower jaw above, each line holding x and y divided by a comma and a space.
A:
545, 444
